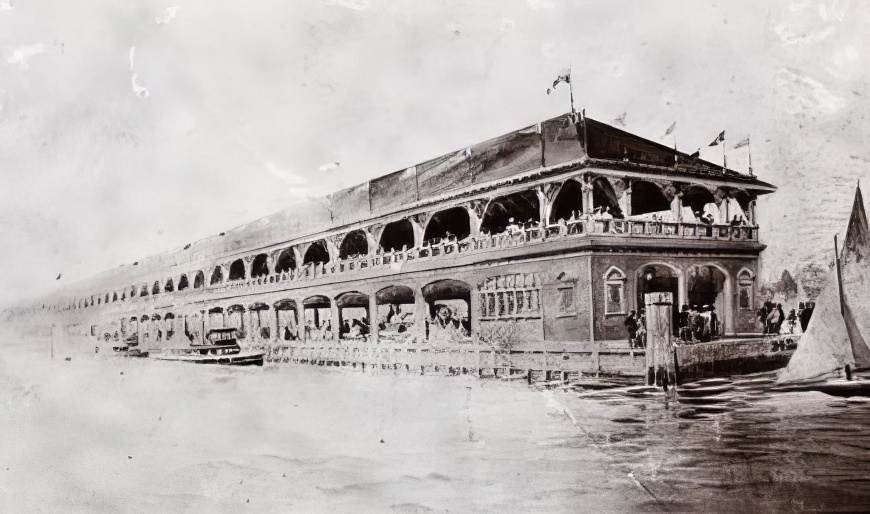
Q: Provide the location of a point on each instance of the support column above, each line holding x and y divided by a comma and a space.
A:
335, 313
659, 347
625, 201
301, 323
588, 198
677, 206
474, 314
421, 314
373, 318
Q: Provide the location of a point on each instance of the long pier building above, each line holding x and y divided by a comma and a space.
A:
527, 251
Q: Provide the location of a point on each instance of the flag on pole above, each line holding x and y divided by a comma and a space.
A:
719, 139
58, 276
670, 130
742, 143
565, 77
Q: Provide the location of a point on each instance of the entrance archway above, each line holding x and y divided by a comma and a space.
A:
449, 223
658, 278
708, 288
568, 202
449, 316
396, 314
515, 209
397, 235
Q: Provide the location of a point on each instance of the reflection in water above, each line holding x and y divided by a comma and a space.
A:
733, 444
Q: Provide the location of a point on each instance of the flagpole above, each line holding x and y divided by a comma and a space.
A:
749, 148
724, 159
571, 89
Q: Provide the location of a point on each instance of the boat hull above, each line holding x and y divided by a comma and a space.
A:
237, 359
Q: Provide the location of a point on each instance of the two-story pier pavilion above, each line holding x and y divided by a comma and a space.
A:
525, 250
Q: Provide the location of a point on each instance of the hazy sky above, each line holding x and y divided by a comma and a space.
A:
228, 111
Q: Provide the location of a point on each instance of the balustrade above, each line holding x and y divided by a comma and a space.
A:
536, 234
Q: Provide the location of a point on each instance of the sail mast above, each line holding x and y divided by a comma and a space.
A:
839, 277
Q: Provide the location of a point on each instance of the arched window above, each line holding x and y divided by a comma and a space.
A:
448, 223
123, 295
156, 288
449, 304
514, 209
237, 270
614, 291
354, 244
260, 266
133, 291
217, 276
745, 295
182, 283
199, 280
143, 291
114, 297
107, 298
170, 286
286, 261
316, 253
397, 235
568, 202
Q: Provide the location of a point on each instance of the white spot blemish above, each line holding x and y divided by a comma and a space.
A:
22, 54
330, 166
356, 5
7, 5
541, 4
809, 93
138, 89
790, 38
168, 15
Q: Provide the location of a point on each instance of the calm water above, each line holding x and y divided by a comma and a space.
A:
131, 435
740, 446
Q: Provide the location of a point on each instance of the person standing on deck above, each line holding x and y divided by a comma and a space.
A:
631, 327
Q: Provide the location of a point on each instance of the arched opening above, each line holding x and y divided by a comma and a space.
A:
318, 318
123, 295
133, 291
260, 266
395, 316
260, 328
182, 283
215, 318
155, 289
647, 197
236, 319
194, 325
511, 212
604, 197
449, 304
145, 329
287, 318
354, 245
452, 223
114, 297
286, 261
170, 286
143, 291
398, 235
107, 298
705, 285
199, 279
658, 278
701, 202
568, 203
316, 253
237, 270
740, 207
217, 276
169, 324
353, 315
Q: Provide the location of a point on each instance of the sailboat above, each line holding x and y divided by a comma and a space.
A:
835, 345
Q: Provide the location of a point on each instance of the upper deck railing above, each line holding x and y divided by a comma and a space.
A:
519, 236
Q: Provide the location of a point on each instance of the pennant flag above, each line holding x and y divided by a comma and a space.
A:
670, 130
696, 154
719, 139
565, 77
58, 276
743, 143
620, 120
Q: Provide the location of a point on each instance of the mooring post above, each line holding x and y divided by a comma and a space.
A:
659, 343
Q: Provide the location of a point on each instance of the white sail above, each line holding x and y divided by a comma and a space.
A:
838, 332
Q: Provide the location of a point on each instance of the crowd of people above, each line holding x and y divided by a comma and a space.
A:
698, 324
775, 321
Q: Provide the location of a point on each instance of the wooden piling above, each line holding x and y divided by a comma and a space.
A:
659, 346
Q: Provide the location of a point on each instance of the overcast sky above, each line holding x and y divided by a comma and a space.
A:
228, 111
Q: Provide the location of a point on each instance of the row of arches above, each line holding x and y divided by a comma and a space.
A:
531, 206
437, 312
